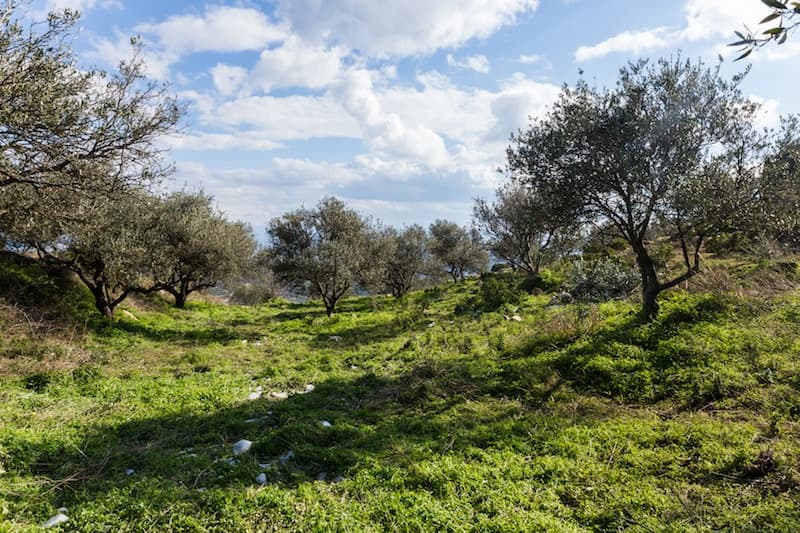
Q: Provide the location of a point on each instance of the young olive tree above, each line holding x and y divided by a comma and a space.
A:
668, 144
328, 248
193, 247
522, 231
407, 258
456, 250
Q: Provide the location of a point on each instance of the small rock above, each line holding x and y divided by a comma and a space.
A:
281, 395
286, 457
325, 423
261, 479
60, 518
337, 479
130, 472
241, 446
321, 476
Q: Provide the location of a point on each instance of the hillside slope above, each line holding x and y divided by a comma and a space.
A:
421, 414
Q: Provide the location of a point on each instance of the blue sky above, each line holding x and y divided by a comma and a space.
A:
402, 108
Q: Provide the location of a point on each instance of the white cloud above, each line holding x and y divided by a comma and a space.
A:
296, 64
286, 118
400, 27
242, 140
704, 19
219, 29
81, 5
530, 59
227, 78
388, 132
633, 42
479, 63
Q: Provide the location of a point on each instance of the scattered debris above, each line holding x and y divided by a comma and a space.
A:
281, 395
241, 446
325, 423
130, 471
309, 388
255, 395
261, 479
60, 518
286, 457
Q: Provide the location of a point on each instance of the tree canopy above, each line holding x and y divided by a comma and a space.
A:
668, 144
326, 250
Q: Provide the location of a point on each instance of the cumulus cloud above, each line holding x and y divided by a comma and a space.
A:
387, 132
704, 19
479, 63
296, 64
219, 29
228, 78
400, 27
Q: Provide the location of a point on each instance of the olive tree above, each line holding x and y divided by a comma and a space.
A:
67, 133
455, 250
109, 255
407, 258
667, 144
327, 249
193, 247
521, 230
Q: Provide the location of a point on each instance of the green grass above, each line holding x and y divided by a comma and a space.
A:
444, 418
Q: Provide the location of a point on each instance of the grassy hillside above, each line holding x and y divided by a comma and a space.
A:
426, 414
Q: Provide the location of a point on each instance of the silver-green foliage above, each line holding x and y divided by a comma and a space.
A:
327, 250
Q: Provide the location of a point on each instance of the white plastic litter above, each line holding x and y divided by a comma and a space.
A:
335, 338
310, 388
241, 446
60, 518
261, 479
325, 423
516, 318
255, 395
281, 395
